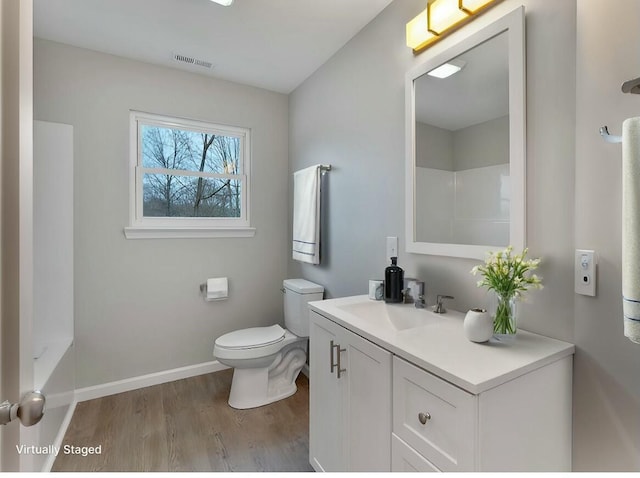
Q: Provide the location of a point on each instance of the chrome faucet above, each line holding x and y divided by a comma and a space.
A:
439, 307
420, 303
414, 289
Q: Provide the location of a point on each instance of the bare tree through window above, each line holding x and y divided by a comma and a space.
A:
190, 173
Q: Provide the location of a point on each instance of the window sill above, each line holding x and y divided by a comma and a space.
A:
137, 232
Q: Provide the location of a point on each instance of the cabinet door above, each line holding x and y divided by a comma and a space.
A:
368, 403
326, 421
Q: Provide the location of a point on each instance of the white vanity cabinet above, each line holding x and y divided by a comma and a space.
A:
413, 397
350, 400
522, 425
434, 418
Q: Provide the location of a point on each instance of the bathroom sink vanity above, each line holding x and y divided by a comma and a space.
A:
395, 388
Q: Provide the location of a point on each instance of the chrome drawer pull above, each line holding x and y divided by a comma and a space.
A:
424, 417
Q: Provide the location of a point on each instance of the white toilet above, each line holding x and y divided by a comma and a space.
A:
267, 360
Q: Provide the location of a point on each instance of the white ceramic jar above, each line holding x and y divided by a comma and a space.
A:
478, 325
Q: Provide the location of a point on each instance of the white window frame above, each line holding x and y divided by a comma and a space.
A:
141, 227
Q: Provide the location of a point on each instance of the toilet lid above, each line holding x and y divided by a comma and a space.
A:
251, 338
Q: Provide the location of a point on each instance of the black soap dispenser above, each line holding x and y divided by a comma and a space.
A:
393, 282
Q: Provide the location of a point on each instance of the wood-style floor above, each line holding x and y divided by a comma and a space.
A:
187, 425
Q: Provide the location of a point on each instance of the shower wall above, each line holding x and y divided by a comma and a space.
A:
53, 361
463, 207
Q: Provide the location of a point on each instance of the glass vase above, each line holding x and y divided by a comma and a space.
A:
505, 318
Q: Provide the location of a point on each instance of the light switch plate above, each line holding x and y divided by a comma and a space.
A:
392, 247
585, 272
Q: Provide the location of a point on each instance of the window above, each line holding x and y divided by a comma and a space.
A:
188, 178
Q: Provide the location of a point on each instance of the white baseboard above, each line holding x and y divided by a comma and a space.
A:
134, 383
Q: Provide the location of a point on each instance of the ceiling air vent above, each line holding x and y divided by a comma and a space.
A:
189, 60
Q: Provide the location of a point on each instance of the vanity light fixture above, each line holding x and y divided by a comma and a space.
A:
443, 14
447, 69
418, 33
224, 3
440, 18
474, 6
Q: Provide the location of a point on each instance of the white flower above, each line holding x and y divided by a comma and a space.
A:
507, 273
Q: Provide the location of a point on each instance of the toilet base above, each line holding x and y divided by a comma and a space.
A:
255, 387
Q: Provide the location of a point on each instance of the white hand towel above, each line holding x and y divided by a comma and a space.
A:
631, 228
306, 215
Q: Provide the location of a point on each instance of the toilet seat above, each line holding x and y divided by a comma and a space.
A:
252, 343
250, 338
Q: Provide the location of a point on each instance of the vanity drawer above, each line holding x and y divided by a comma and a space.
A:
437, 419
405, 458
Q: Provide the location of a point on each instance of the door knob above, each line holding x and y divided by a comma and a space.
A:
30, 409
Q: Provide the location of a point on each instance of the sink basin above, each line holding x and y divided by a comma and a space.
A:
399, 316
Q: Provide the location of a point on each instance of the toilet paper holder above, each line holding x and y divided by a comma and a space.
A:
220, 291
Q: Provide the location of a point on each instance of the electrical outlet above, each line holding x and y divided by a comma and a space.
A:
585, 272
392, 247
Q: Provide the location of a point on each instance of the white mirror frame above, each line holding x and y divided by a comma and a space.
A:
513, 24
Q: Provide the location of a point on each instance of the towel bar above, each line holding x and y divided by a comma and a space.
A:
631, 86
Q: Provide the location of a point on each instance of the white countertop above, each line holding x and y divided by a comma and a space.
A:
440, 346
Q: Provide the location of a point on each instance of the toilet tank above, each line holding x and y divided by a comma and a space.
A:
297, 293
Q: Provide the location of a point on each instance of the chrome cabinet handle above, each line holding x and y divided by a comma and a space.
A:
339, 351
332, 364
424, 417
335, 365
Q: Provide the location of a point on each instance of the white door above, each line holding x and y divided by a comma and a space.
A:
16, 222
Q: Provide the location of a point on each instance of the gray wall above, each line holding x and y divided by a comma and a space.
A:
607, 381
476, 146
483, 144
137, 303
434, 147
351, 113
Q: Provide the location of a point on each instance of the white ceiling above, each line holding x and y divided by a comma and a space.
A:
272, 44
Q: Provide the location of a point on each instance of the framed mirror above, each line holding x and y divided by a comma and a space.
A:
465, 145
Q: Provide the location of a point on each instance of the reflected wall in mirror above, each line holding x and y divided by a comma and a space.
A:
462, 149
465, 145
